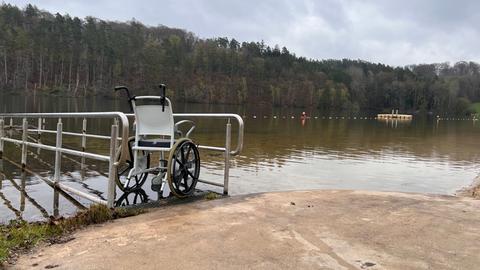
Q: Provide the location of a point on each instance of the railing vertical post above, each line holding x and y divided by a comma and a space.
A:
2, 133
39, 128
227, 157
84, 144
24, 140
58, 152
10, 128
39, 133
84, 133
112, 167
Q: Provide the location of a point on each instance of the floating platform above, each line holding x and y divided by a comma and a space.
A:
394, 116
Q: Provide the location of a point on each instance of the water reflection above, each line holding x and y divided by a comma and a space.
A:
16, 184
2, 175
133, 197
56, 203
417, 156
280, 153
23, 195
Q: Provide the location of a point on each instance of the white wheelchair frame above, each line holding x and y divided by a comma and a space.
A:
155, 131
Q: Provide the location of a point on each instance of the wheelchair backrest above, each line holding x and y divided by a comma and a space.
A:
152, 119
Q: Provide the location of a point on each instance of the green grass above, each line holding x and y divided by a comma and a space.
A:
474, 108
212, 196
20, 235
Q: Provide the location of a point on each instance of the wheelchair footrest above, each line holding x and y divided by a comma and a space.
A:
157, 182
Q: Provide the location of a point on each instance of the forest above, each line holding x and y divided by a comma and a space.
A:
63, 55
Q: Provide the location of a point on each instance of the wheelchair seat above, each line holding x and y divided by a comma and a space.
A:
164, 143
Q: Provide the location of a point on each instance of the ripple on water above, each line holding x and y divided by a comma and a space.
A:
284, 155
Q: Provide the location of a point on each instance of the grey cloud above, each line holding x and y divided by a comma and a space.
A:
392, 32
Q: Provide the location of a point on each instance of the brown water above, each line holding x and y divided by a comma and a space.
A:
280, 154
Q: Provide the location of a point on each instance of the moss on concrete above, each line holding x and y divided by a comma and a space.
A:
212, 196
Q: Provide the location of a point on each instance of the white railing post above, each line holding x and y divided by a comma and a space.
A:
58, 152
84, 133
10, 127
84, 144
2, 133
39, 133
112, 167
228, 140
24, 145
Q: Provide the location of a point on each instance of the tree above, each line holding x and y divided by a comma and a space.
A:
55, 53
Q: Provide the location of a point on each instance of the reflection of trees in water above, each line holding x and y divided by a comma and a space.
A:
275, 142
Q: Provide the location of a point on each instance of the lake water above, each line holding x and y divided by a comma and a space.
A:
279, 154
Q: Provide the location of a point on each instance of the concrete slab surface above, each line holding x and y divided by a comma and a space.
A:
285, 230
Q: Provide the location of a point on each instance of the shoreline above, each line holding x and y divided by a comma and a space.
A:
470, 191
332, 229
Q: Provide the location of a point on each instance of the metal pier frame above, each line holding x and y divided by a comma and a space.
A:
115, 138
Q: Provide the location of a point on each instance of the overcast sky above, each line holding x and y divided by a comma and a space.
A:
397, 32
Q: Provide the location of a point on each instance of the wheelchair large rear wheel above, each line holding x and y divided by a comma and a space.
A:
183, 168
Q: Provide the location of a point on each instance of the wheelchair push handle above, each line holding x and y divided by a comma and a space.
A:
163, 89
130, 97
121, 87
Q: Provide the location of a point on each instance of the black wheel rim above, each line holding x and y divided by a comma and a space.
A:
185, 168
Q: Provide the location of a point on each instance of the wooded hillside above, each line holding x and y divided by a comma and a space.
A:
60, 54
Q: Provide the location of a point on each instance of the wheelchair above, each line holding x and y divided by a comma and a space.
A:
178, 167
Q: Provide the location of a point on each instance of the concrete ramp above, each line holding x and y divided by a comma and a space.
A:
287, 230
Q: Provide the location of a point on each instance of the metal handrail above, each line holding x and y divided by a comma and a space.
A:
114, 138
237, 117
125, 123
63, 150
226, 149
123, 119
59, 150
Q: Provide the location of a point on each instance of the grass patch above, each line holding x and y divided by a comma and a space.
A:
474, 108
212, 196
19, 236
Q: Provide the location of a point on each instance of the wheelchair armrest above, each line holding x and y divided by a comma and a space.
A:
179, 131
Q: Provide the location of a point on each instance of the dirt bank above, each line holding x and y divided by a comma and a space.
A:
287, 230
472, 191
